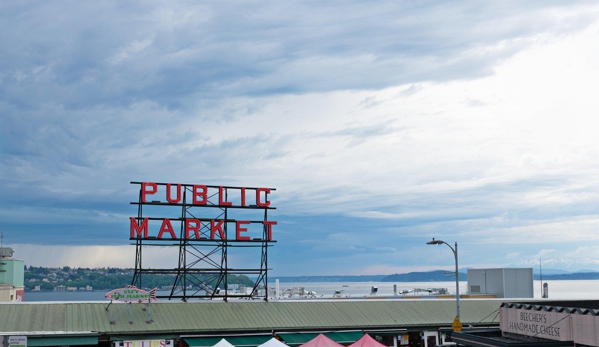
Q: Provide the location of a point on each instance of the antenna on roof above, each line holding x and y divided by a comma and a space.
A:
541, 275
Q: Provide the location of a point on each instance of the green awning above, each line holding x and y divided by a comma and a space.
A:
237, 341
35, 341
388, 332
342, 337
296, 339
144, 337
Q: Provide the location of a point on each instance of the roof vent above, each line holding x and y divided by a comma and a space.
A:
6, 252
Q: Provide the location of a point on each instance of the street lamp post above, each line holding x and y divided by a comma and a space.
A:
457, 280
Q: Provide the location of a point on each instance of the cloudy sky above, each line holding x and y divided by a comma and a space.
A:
380, 124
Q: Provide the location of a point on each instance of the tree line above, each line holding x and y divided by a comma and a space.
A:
106, 279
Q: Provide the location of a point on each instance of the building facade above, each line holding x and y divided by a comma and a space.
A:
12, 275
539, 324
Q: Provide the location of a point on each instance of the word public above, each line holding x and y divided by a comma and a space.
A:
200, 195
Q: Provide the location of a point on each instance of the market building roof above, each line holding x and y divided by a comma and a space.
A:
242, 316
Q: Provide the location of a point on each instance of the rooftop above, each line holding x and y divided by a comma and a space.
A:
234, 316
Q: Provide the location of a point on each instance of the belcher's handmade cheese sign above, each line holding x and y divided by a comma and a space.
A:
543, 324
197, 195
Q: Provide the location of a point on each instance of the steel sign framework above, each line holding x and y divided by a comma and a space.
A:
210, 226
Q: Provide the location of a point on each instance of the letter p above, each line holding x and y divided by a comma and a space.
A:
153, 188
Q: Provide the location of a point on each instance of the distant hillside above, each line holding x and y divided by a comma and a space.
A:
48, 279
305, 279
431, 276
537, 271
570, 276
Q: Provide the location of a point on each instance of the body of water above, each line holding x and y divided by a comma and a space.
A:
572, 289
559, 290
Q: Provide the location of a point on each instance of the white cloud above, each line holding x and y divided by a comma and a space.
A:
544, 253
134, 47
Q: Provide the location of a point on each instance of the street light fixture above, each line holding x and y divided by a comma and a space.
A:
457, 283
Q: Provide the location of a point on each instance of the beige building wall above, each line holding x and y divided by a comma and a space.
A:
586, 330
582, 328
11, 294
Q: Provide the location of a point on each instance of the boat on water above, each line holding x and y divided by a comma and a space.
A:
338, 294
297, 292
354, 292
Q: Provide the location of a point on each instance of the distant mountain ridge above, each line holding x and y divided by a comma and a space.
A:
429, 276
536, 271
304, 279
432, 276
570, 276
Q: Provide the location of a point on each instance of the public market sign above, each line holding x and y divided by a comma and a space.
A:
198, 195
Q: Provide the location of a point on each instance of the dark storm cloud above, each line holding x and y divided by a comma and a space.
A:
79, 54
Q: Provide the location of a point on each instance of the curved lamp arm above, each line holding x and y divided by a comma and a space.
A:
457, 279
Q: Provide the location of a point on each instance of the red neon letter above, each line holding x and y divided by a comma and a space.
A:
242, 196
239, 230
269, 225
138, 229
221, 196
166, 227
168, 194
145, 191
195, 228
218, 226
203, 194
266, 192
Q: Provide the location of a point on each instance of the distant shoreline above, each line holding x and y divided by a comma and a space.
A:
431, 276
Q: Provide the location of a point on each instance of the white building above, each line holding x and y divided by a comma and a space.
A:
503, 283
12, 276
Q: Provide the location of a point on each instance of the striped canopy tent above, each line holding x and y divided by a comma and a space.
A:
367, 341
321, 341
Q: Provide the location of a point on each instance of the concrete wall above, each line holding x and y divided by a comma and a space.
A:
9, 293
518, 283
